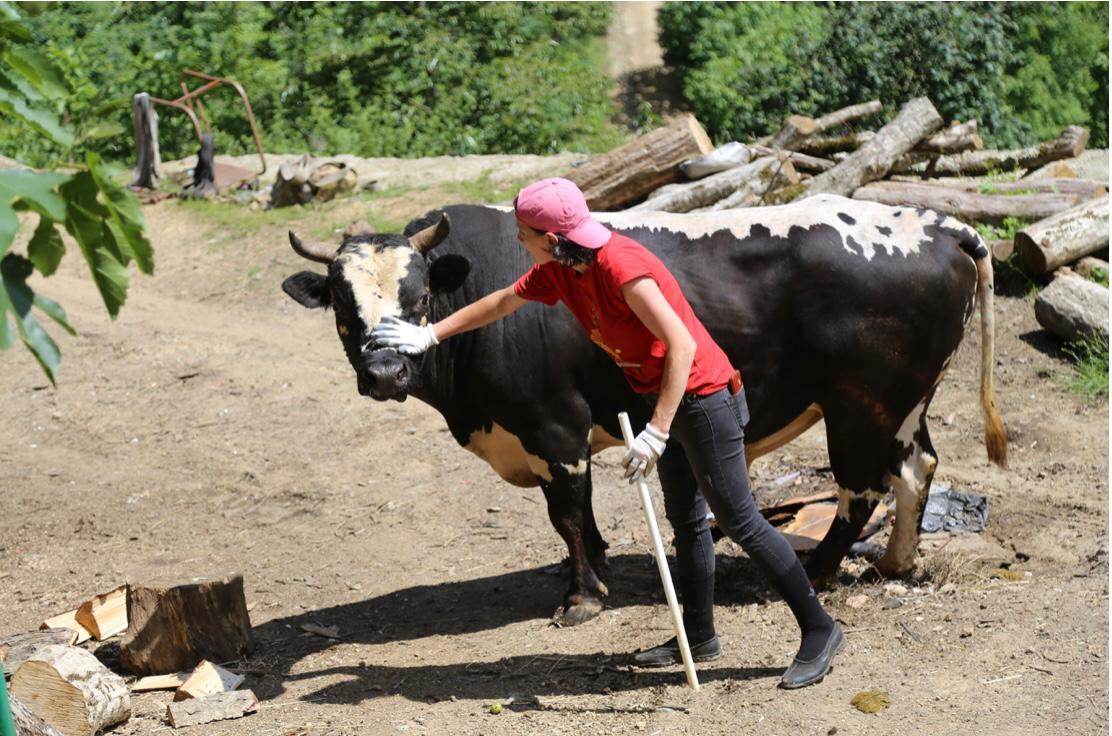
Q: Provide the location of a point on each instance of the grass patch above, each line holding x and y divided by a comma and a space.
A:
236, 221
1004, 231
989, 188
1088, 373
1099, 276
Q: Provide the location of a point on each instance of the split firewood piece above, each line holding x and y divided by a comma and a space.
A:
105, 615
159, 682
1069, 144
615, 179
15, 649
172, 627
27, 723
208, 679
1064, 238
218, 707
989, 208
710, 189
916, 120
813, 521
792, 505
68, 620
71, 690
1073, 308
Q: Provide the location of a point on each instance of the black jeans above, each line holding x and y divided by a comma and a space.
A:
704, 463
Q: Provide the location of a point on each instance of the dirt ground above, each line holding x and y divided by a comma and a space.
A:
215, 426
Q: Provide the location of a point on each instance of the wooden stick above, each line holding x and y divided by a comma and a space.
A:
662, 564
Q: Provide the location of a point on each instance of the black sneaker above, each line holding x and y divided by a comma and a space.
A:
669, 653
802, 673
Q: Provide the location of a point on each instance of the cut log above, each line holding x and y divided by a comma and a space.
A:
105, 615
27, 723
975, 163
796, 128
71, 690
1086, 267
990, 208
1001, 249
799, 160
219, 707
828, 144
159, 682
1073, 308
915, 121
208, 679
1086, 188
752, 177
172, 627
724, 157
1064, 238
956, 138
15, 649
846, 114
68, 620
621, 177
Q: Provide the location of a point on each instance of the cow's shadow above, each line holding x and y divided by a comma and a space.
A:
480, 604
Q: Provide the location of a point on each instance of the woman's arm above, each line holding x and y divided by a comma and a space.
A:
490, 308
646, 300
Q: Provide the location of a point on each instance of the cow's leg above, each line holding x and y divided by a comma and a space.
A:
596, 545
854, 510
569, 508
915, 461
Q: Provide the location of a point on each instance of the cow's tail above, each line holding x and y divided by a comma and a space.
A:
996, 438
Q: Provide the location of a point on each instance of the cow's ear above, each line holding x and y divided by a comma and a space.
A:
307, 289
447, 273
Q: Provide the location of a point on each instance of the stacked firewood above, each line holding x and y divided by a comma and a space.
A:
911, 161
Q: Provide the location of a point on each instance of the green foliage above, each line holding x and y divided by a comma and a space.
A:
1088, 374
103, 217
372, 79
1005, 231
1024, 70
1099, 276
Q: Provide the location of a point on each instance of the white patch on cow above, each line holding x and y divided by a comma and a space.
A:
578, 469
845, 496
600, 439
504, 453
905, 235
909, 485
810, 416
375, 277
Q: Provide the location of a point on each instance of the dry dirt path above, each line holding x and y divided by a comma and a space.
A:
216, 426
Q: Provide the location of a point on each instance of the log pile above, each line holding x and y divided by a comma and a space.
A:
911, 161
58, 687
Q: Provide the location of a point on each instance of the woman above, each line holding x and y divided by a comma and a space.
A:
632, 307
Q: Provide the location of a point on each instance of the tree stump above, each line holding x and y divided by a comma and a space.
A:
625, 175
71, 690
1064, 238
1073, 308
172, 627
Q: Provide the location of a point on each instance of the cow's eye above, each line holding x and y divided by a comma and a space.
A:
423, 302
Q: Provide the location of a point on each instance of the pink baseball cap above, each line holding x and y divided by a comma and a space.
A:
557, 206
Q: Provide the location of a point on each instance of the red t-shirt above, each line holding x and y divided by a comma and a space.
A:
595, 298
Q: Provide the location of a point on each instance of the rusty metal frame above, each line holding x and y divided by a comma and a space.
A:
186, 101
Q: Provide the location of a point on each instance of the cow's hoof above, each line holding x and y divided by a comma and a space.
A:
891, 568
577, 613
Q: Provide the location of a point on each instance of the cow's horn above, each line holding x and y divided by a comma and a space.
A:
319, 252
431, 236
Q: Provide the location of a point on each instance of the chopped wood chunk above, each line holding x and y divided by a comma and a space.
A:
68, 620
218, 707
105, 615
208, 679
159, 682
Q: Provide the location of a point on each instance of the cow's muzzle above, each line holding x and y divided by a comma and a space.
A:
387, 375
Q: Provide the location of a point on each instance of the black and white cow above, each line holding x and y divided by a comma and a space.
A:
832, 308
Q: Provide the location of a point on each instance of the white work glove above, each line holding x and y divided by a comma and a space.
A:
646, 450
403, 336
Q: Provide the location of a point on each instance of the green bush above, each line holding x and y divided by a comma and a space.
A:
373, 79
1024, 70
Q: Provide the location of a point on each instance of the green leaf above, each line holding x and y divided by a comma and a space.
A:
46, 247
54, 310
101, 131
41, 120
16, 299
34, 189
86, 220
127, 222
10, 26
39, 70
